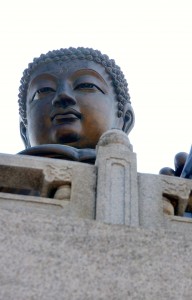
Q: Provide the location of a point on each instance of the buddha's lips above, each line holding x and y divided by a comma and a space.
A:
65, 115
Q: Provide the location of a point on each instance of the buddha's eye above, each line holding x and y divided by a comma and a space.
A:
43, 92
88, 86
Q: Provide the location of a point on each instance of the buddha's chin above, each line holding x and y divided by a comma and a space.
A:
67, 139
74, 140
65, 134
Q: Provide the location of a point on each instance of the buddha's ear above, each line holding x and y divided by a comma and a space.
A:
24, 134
129, 118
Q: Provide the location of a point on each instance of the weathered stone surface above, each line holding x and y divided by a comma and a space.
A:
44, 257
117, 189
52, 248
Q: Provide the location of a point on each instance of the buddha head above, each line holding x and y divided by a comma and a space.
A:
71, 97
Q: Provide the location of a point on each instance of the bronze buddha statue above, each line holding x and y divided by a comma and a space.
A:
68, 98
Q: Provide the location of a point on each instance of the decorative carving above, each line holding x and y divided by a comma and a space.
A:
177, 192
52, 173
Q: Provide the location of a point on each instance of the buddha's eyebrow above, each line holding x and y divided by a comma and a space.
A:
83, 72
43, 76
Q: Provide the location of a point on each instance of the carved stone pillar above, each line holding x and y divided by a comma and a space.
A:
116, 195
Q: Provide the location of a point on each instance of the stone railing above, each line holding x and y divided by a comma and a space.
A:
111, 191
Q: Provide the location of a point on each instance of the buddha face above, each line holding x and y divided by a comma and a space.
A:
71, 103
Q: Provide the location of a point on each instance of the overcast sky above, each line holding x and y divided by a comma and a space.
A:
151, 40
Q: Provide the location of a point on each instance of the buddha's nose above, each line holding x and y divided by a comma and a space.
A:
64, 97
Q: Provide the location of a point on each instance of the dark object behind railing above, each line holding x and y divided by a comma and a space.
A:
187, 169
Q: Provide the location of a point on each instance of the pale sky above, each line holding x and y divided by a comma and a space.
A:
151, 40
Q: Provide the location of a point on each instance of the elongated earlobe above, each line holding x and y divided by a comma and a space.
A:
24, 135
129, 120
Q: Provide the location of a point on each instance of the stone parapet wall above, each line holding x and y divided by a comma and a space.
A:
44, 257
71, 230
